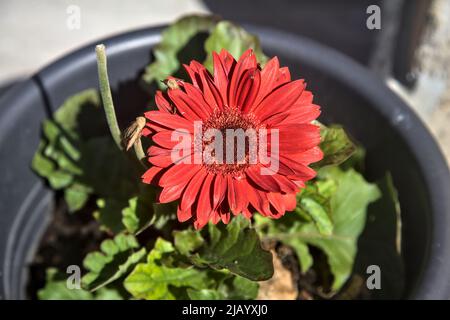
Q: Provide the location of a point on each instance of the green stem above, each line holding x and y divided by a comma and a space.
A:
139, 151
105, 92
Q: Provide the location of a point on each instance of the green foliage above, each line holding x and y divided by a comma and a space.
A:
153, 280
116, 258
380, 242
78, 156
196, 37
313, 204
164, 276
169, 53
58, 158
227, 287
336, 146
235, 247
348, 197
56, 289
142, 212
234, 39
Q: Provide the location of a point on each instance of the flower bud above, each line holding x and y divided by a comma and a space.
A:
133, 132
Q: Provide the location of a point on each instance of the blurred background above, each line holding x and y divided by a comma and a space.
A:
411, 50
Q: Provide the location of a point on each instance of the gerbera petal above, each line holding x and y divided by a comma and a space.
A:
247, 61
284, 76
220, 77
210, 92
279, 100
269, 75
290, 201
248, 89
267, 182
193, 71
184, 215
220, 189
162, 161
178, 174
306, 98
171, 193
152, 175
192, 189
158, 151
241, 200
309, 156
162, 103
186, 106
286, 185
257, 199
228, 60
204, 202
169, 121
306, 136
277, 202
301, 114
167, 139
198, 102
301, 171
236, 195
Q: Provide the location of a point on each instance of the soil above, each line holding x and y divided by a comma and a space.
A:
67, 240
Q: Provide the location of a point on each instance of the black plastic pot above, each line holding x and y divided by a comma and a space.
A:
396, 140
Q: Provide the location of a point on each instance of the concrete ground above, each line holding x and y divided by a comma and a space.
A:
35, 32
60, 26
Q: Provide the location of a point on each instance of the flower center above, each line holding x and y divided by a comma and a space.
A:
230, 141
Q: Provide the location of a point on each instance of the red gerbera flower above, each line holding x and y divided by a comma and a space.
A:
239, 95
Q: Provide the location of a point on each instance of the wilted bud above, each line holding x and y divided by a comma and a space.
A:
172, 83
133, 132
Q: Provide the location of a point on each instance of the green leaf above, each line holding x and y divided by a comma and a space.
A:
115, 259
301, 249
107, 294
239, 288
142, 212
107, 170
380, 242
235, 247
41, 164
72, 154
356, 160
153, 280
348, 198
137, 215
195, 38
76, 196
81, 116
205, 294
56, 289
169, 54
318, 214
234, 39
187, 241
336, 146
60, 179
109, 214
348, 205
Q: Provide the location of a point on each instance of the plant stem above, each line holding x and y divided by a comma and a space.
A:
105, 92
139, 151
